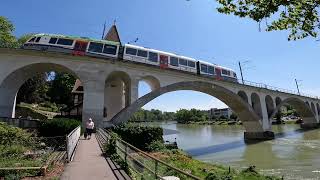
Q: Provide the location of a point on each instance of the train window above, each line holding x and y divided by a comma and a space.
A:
142, 53
32, 39
225, 72
183, 62
235, 75
191, 64
53, 40
131, 51
204, 68
38, 39
95, 47
211, 70
66, 42
174, 61
153, 57
110, 49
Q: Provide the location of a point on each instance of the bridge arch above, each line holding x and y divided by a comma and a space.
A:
152, 81
256, 104
313, 108
244, 96
251, 121
302, 108
278, 101
11, 84
308, 104
117, 93
269, 105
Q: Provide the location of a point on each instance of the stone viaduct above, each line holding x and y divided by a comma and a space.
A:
112, 85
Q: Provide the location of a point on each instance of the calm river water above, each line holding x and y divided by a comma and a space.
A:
294, 154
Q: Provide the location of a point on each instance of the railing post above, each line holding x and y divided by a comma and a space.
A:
156, 169
126, 154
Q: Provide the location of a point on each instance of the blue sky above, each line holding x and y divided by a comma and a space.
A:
191, 28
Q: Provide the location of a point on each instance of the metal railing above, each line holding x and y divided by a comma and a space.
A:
273, 88
72, 141
143, 164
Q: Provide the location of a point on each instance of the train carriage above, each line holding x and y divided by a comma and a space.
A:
82, 46
74, 45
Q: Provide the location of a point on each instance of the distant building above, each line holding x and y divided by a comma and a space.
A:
217, 113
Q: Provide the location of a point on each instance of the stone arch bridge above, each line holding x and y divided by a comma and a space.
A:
111, 88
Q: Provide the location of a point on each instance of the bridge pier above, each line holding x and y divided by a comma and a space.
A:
93, 102
7, 102
258, 136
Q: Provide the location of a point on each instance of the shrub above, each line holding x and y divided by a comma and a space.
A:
139, 136
14, 141
57, 127
10, 135
156, 146
110, 147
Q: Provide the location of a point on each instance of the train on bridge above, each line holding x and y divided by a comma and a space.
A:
83, 46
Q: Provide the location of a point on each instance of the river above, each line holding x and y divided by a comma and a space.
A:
294, 154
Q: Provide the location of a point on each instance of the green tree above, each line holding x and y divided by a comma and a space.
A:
60, 88
299, 17
34, 90
193, 115
23, 39
7, 40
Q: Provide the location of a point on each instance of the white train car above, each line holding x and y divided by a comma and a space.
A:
109, 49
73, 45
159, 58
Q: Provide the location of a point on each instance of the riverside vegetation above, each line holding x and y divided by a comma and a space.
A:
150, 140
20, 148
195, 116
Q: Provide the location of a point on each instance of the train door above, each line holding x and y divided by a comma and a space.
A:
164, 61
218, 74
80, 48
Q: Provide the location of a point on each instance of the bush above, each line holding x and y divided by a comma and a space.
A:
156, 146
57, 127
14, 141
10, 135
139, 136
110, 147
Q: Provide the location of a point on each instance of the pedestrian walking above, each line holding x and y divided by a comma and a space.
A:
89, 127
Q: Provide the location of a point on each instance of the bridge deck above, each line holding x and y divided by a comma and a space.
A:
89, 163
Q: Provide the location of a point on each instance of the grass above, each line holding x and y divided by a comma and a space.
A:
21, 162
46, 112
207, 171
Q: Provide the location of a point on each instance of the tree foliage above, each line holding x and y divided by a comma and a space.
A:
60, 88
193, 115
152, 115
7, 40
34, 90
300, 17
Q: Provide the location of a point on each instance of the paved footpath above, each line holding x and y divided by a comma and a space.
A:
88, 163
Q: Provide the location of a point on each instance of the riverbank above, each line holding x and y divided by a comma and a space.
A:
181, 160
150, 139
223, 123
